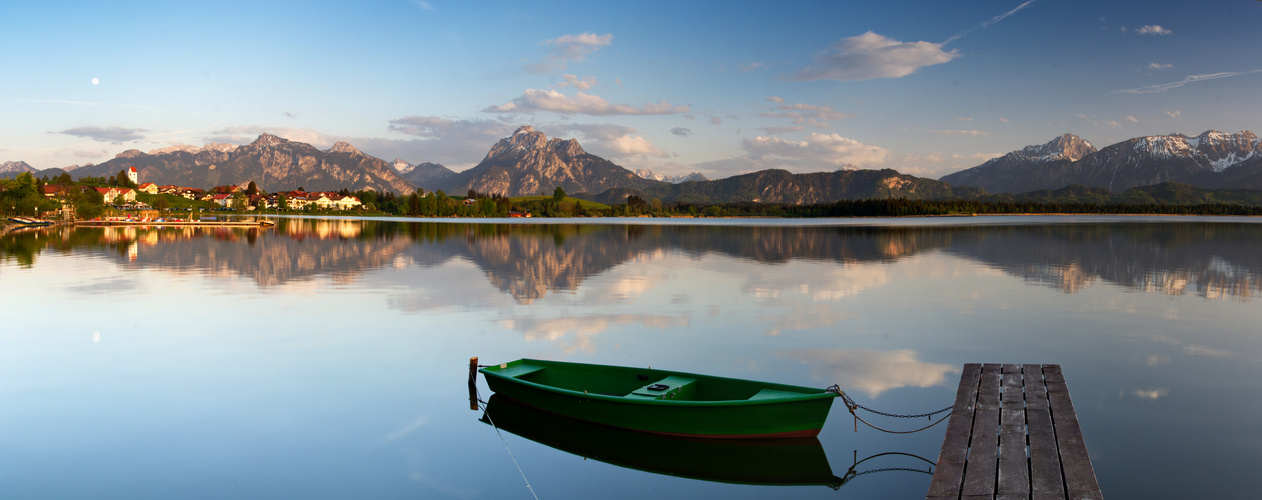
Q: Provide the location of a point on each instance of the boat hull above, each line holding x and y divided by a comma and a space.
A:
717, 410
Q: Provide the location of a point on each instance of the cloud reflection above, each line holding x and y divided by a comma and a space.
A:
585, 327
869, 371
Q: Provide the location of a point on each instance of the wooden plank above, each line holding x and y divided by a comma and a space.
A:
1075, 463
983, 447
1014, 471
1045, 475
988, 392
1035, 390
1014, 474
948, 476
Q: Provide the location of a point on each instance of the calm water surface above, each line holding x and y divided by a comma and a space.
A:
327, 358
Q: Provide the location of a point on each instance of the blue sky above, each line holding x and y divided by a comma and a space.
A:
926, 88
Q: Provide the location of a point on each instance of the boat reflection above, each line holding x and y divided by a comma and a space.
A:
776, 462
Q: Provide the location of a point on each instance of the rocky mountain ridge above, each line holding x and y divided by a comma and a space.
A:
529, 163
649, 174
274, 163
1210, 160
13, 168
421, 174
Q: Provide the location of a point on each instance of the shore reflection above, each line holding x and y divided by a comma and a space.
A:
528, 262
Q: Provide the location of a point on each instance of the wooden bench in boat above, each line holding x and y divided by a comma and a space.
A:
671, 387
519, 371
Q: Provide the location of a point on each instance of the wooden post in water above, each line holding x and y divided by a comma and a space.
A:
473, 383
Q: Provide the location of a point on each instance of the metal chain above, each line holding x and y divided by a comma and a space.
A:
853, 404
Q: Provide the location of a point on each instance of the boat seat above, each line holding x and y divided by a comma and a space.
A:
773, 394
519, 371
671, 387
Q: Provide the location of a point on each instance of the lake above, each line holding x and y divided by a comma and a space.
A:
327, 358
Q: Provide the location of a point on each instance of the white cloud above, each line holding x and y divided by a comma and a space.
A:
751, 67
569, 48
959, 132
777, 100
1160, 66
423, 4
1002, 119
581, 84
781, 130
1174, 114
115, 135
1153, 29
1154, 89
716, 120
816, 149
800, 113
635, 146
869, 56
1132, 119
609, 140
536, 100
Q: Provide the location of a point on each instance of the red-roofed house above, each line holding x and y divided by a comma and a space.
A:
148, 187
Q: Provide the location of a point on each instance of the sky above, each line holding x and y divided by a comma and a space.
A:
722, 88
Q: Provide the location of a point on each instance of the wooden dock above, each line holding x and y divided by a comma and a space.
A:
1013, 434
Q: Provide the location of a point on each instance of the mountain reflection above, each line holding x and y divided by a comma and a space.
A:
1209, 260
1212, 260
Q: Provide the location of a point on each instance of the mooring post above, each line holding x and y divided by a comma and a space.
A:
473, 383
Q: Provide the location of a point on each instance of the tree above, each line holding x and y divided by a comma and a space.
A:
252, 189
239, 202
282, 203
558, 195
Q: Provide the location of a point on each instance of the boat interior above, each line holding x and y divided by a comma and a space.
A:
644, 384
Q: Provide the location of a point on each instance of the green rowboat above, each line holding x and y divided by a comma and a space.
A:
663, 402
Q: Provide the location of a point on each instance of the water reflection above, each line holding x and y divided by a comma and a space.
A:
528, 262
872, 372
778, 462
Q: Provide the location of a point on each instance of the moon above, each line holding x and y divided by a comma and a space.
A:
95, 81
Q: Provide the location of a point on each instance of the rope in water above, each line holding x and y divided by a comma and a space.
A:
483, 405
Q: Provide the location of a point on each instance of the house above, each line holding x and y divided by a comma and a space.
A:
133, 175
54, 191
108, 194
223, 200
258, 202
343, 202
126, 195
148, 187
319, 200
229, 189
518, 214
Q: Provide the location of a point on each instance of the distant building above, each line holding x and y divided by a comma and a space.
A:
148, 187
133, 175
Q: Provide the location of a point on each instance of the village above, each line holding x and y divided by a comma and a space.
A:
227, 197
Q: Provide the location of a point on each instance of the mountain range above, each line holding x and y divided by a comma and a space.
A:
530, 163
273, 163
1212, 160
